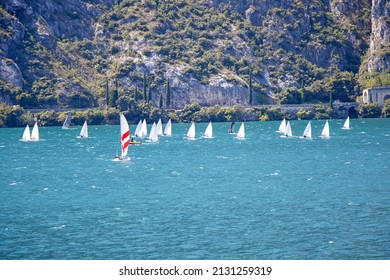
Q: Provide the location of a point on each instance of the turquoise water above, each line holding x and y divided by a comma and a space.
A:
263, 198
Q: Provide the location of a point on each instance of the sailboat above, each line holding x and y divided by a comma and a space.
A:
66, 123
288, 131
209, 131
153, 136
307, 131
35, 133
159, 127
84, 131
241, 132
124, 138
144, 128
138, 130
346, 124
168, 128
26, 134
325, 131
282, 126
231, 129
191, 132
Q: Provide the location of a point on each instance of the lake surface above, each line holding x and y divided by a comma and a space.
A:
263, 198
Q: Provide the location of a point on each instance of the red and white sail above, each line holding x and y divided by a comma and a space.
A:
125, 135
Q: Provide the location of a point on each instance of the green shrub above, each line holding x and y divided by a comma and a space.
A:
386, 109
370, 110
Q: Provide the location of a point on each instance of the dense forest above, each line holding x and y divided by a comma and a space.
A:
151, 58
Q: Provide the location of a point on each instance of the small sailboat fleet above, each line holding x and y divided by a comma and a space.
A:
34, 136
157, 130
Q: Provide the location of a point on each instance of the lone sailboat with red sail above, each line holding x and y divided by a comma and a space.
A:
124, 138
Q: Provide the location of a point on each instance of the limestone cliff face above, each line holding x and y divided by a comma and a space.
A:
379, 53
54, 49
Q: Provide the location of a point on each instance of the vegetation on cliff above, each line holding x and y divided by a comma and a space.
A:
143, 56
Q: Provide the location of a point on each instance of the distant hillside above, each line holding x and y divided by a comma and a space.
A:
89, 53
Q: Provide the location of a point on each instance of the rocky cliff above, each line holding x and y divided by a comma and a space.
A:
68, 53
379, 53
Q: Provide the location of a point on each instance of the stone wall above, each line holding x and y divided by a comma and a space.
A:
376, 94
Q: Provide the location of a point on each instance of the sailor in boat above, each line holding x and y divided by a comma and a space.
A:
133, 142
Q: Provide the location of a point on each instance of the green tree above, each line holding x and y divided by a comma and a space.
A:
135, 93
161, 101
144, 87
168, 94
370, 110
107, 94
250, 88
114, 95
386, 109
149, 92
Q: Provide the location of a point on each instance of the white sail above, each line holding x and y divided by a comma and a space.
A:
84, 130
35, 133
138, 132
153, 136
241, 132
325, 130
307, 132
125, 136
191, 132
209, 131
144, 129
288, 131
159, 127
346, 124
282, 126
26, 134
168, 128
66, 123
